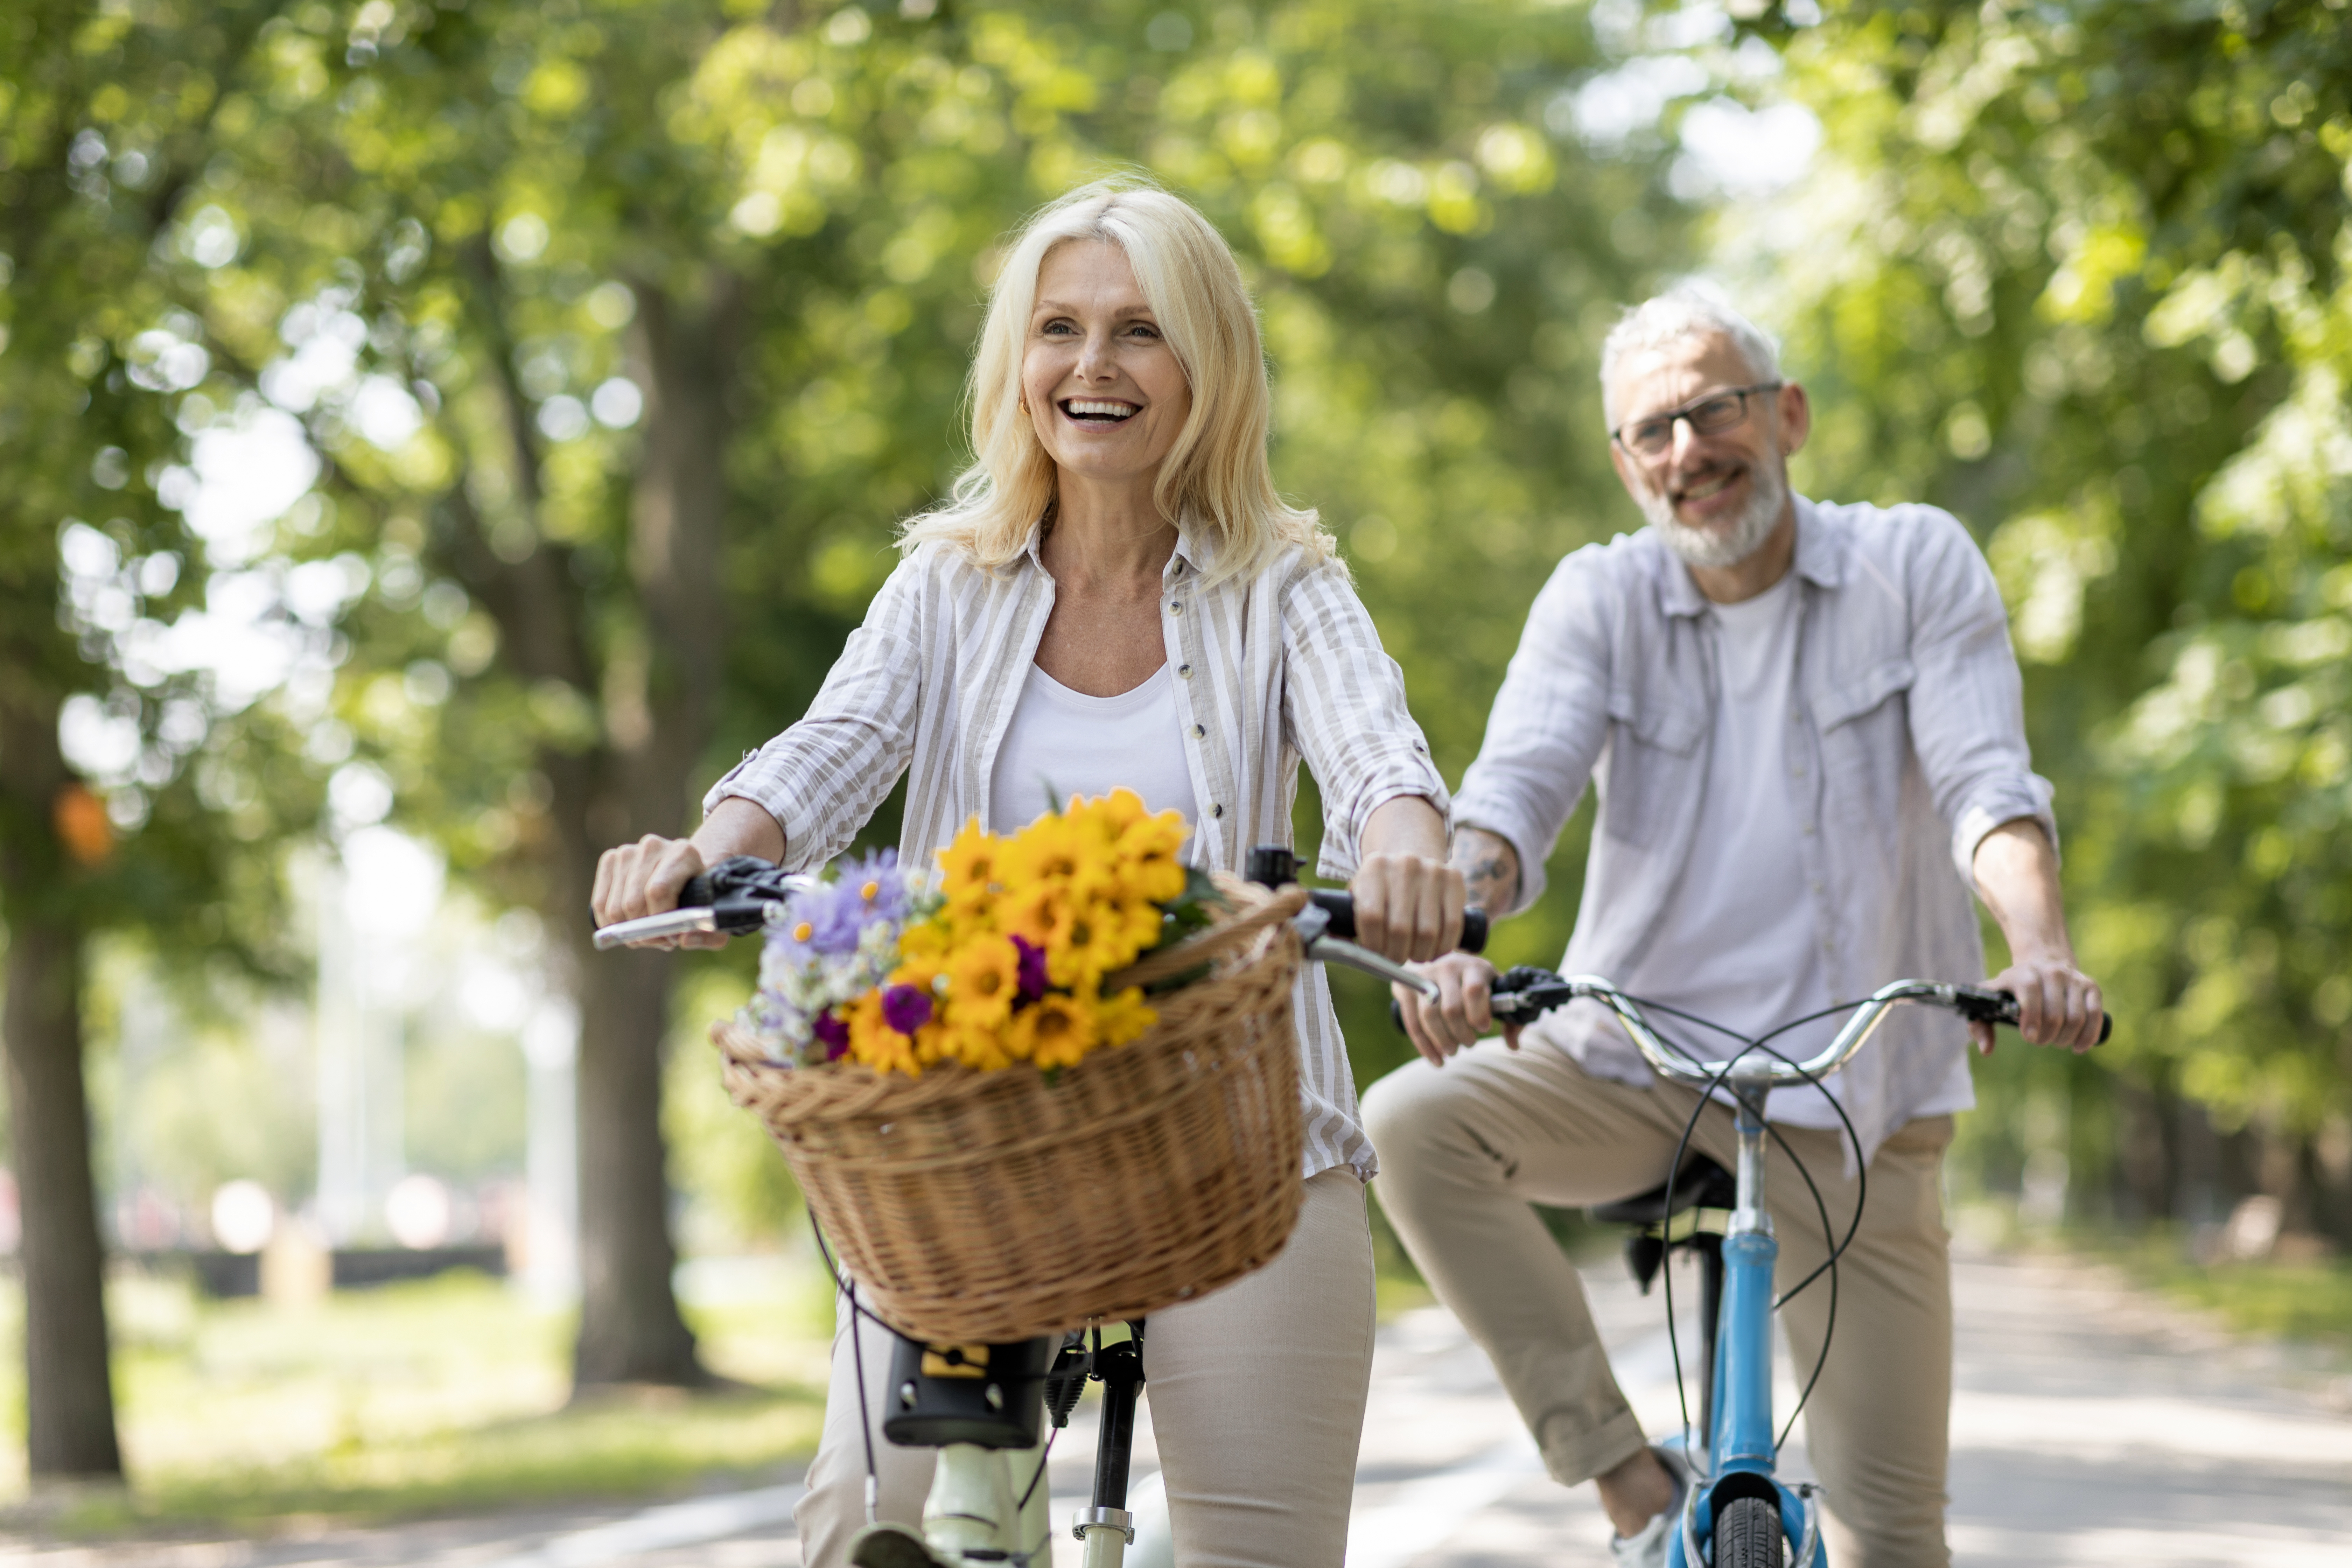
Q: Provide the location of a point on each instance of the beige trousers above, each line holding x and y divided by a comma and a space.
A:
1257, 1403
1464, 1149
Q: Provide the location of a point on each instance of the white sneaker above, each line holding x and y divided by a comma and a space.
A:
1648, 1550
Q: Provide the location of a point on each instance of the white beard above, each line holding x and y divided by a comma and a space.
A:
1767, 494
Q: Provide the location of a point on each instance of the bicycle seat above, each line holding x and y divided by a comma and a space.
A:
1703, 1184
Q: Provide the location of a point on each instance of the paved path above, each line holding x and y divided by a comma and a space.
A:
2092, 1428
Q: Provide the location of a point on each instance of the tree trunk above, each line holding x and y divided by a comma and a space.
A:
658, 711
69, 1386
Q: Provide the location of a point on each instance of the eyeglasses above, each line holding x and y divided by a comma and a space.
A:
1710, 415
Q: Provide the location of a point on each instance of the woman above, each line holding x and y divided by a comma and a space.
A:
1114, 596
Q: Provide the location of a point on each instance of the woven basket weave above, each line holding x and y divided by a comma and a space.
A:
990, 1206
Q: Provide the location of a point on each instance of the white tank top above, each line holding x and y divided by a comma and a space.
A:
1065, 742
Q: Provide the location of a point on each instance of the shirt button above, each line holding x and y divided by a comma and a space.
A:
1185, 671
1418, 747
1198, 732
1176, 606
1817, 887
1809, 830
1216, 811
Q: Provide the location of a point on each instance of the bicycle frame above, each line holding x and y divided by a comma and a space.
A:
1739, 1455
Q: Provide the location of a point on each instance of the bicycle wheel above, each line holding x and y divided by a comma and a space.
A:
1747, 1534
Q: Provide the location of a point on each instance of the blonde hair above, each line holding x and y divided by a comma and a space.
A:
1216, 475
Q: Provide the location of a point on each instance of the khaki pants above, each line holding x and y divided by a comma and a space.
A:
1466, 1148
1257, 1403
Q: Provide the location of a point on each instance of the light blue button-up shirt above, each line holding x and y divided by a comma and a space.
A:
1911, 726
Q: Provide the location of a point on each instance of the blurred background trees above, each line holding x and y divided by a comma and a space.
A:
485, 420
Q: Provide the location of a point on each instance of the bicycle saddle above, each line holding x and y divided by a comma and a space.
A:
1703, 1184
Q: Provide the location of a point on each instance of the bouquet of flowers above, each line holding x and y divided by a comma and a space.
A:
998, 958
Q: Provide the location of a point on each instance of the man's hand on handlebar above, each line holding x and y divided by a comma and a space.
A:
2057, 1003
644, 878
1460, 1015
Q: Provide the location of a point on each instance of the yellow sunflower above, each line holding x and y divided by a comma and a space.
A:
1122, 1015
1054, 850
875, 1042
1055, 1032
971, 866
983, 977
984, 1050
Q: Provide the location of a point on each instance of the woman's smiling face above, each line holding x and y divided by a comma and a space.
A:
1104, 388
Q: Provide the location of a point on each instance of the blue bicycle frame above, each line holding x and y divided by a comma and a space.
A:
1739, 1456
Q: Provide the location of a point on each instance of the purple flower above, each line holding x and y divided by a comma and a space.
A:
906, 1008
866, 890
832, 1033
1033, 968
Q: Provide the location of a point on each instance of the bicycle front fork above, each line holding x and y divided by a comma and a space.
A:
1741, 1452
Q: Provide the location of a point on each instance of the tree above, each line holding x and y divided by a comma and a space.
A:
102, 122
652, 317
2078, 270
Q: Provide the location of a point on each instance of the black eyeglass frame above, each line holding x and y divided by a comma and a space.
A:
1673, 416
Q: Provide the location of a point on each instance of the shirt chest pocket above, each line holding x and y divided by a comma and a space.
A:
1652, 768
1863, 721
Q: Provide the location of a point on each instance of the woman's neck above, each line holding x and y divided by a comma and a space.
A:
1102, 534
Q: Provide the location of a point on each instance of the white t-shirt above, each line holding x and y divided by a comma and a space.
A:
1064, 742
1743, 901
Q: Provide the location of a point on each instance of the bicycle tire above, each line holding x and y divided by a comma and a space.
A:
1747, 1534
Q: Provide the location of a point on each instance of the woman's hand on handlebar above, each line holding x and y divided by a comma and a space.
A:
644, 878
1409, 901
1408, 907
1460, 1015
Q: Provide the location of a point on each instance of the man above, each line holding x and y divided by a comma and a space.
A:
1802, 720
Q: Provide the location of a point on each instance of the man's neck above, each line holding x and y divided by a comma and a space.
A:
1762, 567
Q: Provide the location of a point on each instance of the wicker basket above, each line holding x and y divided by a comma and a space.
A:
990, 1206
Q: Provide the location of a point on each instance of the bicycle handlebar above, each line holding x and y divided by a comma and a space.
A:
1538, 991
732, 896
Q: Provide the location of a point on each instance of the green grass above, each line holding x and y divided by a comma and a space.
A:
446, 1395
2308, 1301
2304, 1300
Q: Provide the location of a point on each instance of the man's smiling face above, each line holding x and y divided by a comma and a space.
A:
1715, 497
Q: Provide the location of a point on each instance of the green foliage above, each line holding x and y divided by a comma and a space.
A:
105, 120
739, 1194
2078, 272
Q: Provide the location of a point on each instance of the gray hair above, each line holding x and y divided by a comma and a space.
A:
1689, 309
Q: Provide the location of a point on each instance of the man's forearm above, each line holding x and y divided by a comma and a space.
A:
2017, 876
1490, 868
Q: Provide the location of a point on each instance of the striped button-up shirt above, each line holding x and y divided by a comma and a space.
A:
1270, 669
1908, 733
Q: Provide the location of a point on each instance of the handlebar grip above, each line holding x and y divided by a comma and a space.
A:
697, 894
1342, 908
1473, 932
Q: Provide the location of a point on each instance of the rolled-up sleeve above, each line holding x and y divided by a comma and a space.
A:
1967, 700
1344, 707
824, 776
1549, 723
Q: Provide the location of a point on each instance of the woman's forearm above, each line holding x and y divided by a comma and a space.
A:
738, 826
1405, 824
